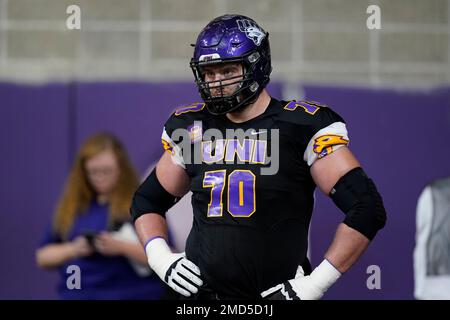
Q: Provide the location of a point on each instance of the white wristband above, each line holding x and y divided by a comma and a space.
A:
158, 254
324, 275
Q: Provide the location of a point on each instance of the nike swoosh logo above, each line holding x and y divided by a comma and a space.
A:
253, 132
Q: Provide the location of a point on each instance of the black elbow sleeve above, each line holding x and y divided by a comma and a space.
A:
151, 197
357, 196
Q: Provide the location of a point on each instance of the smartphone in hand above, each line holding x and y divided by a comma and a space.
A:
90, 236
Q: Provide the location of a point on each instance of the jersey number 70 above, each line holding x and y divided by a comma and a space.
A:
241, 199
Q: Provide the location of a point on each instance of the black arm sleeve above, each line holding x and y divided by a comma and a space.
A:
356, 195
151, 197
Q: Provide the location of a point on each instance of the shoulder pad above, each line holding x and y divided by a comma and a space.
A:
192, 108
309, 113
185, 116
308, 107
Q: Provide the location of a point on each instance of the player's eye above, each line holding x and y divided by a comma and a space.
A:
228, 72
209, 74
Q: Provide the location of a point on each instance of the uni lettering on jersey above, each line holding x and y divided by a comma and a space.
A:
233, 150
197, 146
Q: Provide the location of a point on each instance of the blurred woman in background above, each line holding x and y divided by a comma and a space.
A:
91, 229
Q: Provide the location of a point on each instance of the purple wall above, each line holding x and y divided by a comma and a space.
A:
394, 134
34, 162
135, 112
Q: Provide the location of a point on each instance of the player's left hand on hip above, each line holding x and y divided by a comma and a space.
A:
181, 274
310, 287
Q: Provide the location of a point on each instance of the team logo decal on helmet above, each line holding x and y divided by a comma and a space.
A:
252, 31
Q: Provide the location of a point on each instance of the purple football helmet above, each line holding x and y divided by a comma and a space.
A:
238, 39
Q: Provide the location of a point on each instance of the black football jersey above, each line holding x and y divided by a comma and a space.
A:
253, 193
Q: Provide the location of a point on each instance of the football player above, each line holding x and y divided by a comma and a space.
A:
250, 228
